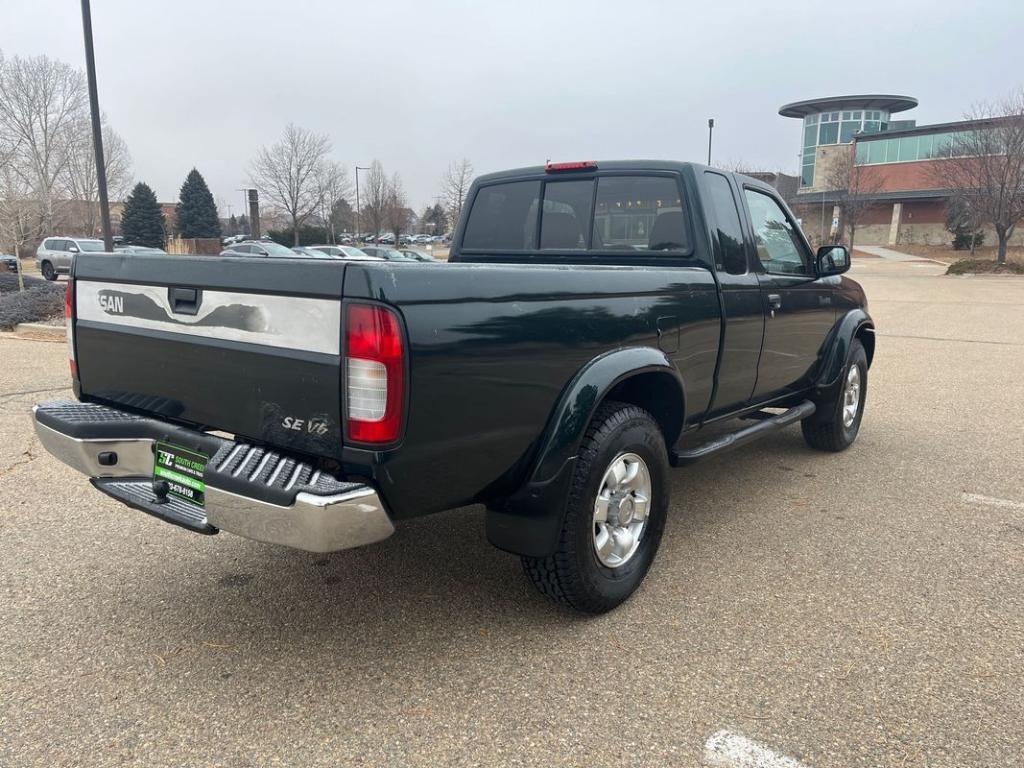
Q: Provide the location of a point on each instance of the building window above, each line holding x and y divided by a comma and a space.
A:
847, 130
807, 175
829, 133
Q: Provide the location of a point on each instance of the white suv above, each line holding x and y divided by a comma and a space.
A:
55, 254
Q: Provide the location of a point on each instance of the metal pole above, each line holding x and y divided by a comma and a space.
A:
97, 128
358, 169
711, 127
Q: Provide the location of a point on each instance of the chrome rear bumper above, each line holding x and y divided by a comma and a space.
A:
312, 521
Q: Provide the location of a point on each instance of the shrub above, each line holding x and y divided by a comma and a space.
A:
982, 266
9, 282
39, 302
307, 236
962, 240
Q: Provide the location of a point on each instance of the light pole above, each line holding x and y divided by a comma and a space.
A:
711, 127
97, 130
358, 169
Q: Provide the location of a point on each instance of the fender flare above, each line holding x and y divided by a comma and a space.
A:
846, 329
529, 521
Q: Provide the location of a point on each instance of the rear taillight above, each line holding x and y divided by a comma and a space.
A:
69, 315
374, 374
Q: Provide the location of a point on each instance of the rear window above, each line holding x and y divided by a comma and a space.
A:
624, 214
566, 215
639, 213
504, 217
93, 246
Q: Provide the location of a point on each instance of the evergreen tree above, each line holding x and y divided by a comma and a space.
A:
142, 221
232, 225
243, 225
196, 211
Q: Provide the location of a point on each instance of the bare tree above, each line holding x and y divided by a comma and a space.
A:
987, 167
375, 199
333, 188
80, 179
397, 214
286, 173
455, 187
21, 216
40, 101
856, 192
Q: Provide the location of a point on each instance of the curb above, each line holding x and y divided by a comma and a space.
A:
40, 331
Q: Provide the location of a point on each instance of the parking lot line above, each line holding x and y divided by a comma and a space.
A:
726, 749
993, 501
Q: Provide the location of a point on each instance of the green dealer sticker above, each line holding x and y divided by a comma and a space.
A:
182, 470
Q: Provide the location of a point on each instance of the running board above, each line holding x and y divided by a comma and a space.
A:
679, 457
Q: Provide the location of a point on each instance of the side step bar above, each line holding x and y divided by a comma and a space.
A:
679, 457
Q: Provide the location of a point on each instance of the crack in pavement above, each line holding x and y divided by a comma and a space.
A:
944, 338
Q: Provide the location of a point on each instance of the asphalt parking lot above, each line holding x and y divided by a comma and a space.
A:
859, 609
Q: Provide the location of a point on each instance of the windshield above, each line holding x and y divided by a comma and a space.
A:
90, 245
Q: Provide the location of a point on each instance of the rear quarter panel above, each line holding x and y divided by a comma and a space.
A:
492, 347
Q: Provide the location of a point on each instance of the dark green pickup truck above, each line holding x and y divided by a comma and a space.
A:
598, 324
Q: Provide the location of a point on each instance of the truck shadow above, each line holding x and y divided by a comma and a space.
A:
437, 576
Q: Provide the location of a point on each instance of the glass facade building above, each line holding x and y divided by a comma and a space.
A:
837, 119
836, 127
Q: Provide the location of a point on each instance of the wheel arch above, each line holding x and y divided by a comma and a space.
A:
528, 521
855, 324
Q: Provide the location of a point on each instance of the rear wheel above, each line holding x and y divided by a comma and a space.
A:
836, 422
48, 271
614, 516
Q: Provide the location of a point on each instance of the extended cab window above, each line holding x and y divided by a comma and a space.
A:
639, 213
778, 245
730, 256
503, 217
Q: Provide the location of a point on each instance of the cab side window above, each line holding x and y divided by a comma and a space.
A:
778, 245
731, 254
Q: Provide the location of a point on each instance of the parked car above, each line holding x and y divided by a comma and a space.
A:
382, 252
312, 253
56, 254
137, 249
346, 252
532, 379
417, 255
10, 261
259, 248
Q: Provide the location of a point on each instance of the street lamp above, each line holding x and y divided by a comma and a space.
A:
358, 169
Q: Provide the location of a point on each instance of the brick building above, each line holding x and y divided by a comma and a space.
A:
895, 159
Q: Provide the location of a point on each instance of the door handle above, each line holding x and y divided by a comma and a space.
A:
774, 303
184, 301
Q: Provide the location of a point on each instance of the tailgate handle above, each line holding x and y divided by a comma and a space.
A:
184, 301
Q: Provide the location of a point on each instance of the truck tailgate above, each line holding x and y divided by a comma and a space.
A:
247, 346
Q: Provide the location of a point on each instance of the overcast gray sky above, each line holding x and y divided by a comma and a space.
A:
417, 84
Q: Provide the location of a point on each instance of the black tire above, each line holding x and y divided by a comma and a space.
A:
825, 430
574, 575
48, 271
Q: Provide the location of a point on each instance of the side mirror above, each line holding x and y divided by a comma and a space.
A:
832, 260
73, 249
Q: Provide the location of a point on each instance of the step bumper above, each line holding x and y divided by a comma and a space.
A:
254, 492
